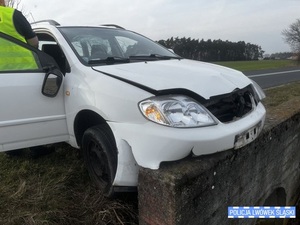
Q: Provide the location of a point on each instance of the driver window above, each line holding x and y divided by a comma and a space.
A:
50, 46
14, 57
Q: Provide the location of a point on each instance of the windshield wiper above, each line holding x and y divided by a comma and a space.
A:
153, 57
109, 60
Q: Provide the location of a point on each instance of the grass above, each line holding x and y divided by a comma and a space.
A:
258, 65
282, 94
55, 189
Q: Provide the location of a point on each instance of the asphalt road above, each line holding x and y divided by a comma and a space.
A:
272, 78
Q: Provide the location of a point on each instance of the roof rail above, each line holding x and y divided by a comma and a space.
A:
113, 25
51, 22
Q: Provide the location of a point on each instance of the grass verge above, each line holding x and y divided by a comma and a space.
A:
279, 95
55, 189
258, 64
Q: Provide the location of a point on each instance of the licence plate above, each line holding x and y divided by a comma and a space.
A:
247, 136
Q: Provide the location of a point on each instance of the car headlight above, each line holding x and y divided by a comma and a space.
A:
259, 91
176, 111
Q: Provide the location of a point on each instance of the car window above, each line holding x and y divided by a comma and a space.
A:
91, 46
90, 43
125, 43
49, 45
14, 57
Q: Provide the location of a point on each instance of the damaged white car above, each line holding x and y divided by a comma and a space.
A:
123, 99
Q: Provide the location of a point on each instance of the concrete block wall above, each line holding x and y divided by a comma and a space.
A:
199, 190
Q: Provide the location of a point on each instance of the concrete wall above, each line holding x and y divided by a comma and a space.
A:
199, 190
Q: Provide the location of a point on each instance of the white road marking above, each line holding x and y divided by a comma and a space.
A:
275, 73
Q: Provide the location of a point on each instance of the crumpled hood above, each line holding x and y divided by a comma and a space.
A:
202, 78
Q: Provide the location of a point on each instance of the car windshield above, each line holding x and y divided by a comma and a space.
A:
105, 46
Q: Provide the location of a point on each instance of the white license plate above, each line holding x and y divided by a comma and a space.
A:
247, 136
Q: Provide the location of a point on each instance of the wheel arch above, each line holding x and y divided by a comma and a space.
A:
84, 120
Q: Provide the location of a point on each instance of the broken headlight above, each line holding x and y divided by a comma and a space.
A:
176, 111
259, 91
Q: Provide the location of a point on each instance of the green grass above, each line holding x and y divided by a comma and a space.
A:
55, 189
258, 65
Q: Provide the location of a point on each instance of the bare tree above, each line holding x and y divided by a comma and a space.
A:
16, 4
292, 36
13, 3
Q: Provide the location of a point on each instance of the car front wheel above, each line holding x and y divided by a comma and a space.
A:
100, 156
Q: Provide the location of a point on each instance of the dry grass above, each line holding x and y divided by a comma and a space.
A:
279, 95
55, 189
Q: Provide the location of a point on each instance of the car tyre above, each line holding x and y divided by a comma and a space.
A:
100, 156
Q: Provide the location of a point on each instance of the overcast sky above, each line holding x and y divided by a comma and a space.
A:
256, 21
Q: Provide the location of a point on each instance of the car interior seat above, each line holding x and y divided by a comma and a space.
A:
98, 51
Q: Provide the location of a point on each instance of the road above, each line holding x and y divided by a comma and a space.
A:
272, 78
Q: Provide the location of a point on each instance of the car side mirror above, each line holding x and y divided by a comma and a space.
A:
52, 83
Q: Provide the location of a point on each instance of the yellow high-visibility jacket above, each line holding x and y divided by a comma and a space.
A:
13, 56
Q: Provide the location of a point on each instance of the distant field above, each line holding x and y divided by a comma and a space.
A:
258, 65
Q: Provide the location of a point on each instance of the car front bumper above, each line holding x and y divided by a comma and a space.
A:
152, 144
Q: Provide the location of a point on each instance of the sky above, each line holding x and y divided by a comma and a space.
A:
258, 22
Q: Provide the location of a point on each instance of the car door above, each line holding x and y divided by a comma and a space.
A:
28, 117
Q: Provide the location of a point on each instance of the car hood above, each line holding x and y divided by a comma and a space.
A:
205, 79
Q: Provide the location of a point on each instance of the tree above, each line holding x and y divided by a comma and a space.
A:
13, 3
16, 4
292, 36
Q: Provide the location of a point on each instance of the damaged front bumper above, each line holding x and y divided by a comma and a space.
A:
152, 144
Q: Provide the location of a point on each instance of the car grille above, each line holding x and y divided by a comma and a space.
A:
233, 106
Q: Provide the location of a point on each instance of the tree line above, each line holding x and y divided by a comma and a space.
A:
280, 55
216, 50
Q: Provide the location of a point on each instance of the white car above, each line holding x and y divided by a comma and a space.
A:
126, 101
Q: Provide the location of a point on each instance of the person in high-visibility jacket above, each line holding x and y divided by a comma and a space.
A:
13, 56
